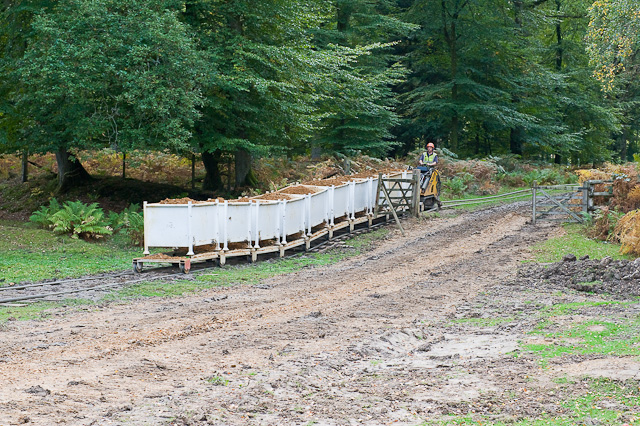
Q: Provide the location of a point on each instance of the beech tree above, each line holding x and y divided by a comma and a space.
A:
613, 43
107, 73
291, 75
466, 68
258, 99
500, 76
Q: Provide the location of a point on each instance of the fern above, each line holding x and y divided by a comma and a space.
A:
135, 227
81, 221
115, 221
628, 232
43, 216
130, 221
455, 186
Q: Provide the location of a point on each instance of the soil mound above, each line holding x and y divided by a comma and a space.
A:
299, 190
274, 196
620, 278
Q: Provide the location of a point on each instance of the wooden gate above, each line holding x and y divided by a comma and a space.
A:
398, 195
566, 203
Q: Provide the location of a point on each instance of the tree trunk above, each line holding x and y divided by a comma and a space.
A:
25, 166
559, 59
451, 39
316, 152
70, 172
193, 170
244, 174
559, 47
517, 13
623, 142
515, 140
558, 159
343, 15
212, 179
516, 135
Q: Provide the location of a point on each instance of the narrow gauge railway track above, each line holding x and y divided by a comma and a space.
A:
58, 290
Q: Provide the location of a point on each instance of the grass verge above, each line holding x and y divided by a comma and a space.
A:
31, 254
605, 402
605, 332
574, 241
39, 310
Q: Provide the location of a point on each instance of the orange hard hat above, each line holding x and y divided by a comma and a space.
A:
431, 145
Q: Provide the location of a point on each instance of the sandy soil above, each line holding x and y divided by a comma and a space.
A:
366, 341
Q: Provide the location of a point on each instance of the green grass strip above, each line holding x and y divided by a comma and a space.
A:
575, 242
32, 254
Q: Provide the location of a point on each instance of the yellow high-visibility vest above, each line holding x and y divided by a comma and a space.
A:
428, 158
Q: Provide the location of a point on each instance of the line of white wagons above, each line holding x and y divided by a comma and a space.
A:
259, 225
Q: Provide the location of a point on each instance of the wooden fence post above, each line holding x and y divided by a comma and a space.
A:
376, 210
415, 200
534, 187
585, 196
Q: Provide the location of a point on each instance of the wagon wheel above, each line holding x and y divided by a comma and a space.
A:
429, 202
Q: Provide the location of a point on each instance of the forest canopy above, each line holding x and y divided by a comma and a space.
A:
545, 80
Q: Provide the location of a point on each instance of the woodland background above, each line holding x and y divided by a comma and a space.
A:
247, 81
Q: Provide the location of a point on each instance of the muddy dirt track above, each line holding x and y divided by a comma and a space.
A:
358, 342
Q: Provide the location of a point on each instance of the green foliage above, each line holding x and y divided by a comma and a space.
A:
86, 221
613, 38
491, 77
481, 77
89, 222
43, 216
542, 177
74, 218
457, 185
131, 220
260, 96
358, 109
105, 73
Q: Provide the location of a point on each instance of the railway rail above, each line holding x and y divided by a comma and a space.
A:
59, 289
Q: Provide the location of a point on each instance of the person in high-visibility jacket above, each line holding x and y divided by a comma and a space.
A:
429, 158
426, 164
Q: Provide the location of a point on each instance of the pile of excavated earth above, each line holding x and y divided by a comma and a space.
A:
602, 276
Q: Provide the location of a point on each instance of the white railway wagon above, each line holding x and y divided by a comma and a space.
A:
220, 229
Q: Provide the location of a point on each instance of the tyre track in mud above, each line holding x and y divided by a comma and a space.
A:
146, 360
